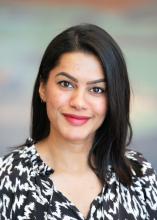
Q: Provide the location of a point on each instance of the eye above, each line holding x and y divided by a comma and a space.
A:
65, 84
97, 90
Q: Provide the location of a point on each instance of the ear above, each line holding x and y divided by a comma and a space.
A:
42, 91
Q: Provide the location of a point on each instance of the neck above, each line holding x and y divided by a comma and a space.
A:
65, 156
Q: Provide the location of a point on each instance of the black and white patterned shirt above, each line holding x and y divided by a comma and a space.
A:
27, 192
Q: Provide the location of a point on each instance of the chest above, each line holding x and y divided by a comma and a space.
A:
81, 192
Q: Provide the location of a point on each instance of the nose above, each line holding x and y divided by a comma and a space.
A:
78, 100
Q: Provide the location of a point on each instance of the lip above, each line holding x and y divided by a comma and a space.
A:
76, 119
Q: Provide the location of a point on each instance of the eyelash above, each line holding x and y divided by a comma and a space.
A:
66, 84
98, 88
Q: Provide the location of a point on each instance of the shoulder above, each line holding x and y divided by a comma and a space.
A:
143, 190
143, 174
16, 162
144, 182
16, 170
139, 163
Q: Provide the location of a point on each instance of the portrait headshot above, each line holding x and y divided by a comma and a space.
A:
77, 163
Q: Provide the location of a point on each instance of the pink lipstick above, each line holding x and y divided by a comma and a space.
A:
76, 119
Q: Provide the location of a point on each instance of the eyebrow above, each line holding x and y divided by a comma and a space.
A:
75, 80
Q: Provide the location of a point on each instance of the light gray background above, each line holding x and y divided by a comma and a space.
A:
26, 30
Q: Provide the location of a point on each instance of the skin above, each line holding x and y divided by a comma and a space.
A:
75, 86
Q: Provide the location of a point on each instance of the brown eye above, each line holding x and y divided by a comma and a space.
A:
97, 90
65, 84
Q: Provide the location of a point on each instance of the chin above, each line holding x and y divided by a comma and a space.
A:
77, 137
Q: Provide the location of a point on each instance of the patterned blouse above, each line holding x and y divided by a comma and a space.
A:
27, 192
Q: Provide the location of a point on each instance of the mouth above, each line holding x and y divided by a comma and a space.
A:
76, 120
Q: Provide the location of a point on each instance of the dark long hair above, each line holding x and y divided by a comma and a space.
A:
115, 133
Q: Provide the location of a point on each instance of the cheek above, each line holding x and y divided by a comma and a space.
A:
101, 108
57, 100
53, 104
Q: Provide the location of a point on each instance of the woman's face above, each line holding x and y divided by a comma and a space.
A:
75, 96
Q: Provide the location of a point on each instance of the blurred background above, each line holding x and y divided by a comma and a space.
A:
26, 28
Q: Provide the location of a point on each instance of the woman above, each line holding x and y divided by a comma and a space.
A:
76, 164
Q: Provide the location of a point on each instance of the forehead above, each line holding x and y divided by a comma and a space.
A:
80, 64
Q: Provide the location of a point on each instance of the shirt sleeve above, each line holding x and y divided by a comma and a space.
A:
149, 186
7, 187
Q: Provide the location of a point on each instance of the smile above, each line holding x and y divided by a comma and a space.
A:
76, 120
